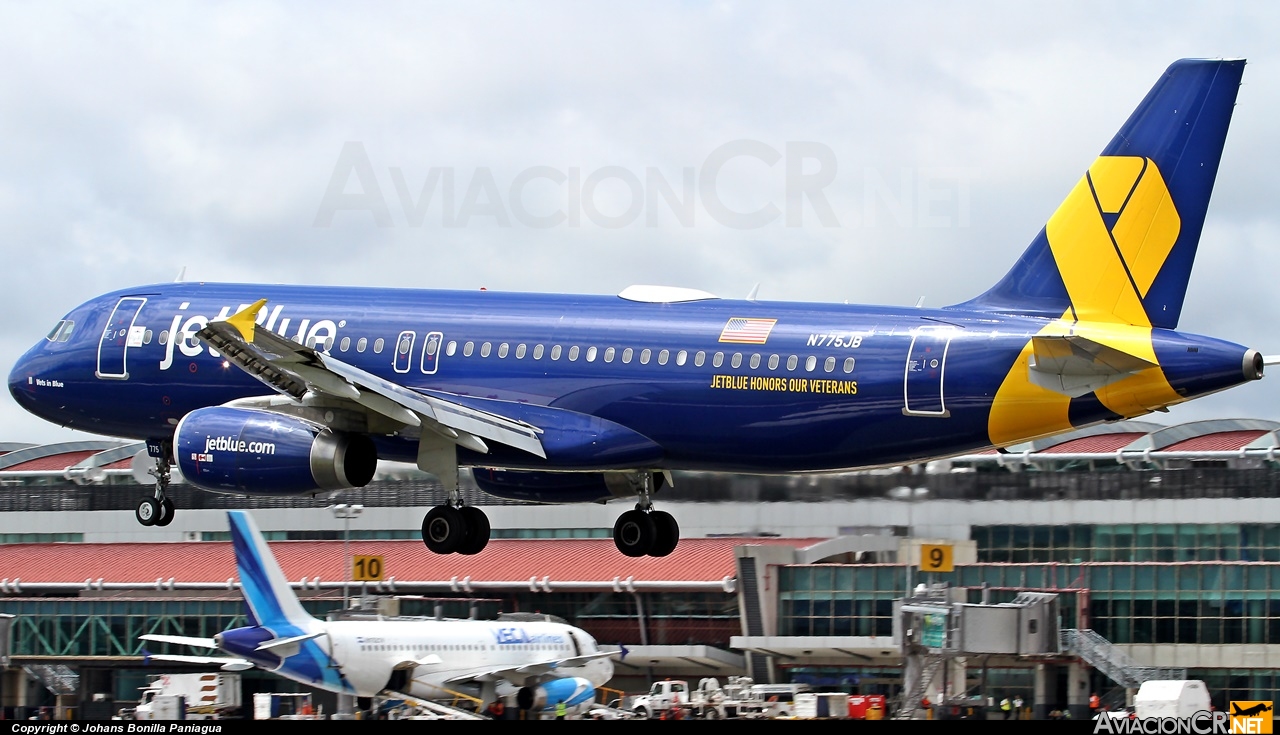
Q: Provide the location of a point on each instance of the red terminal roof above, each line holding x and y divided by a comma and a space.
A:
1216, 442
1095, 443
505, 560
53, 462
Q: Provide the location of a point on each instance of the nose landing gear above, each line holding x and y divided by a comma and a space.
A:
157, 510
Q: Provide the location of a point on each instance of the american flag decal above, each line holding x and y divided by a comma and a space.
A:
747, 331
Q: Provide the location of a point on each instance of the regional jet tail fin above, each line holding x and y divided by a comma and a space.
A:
1120, 248
271, 600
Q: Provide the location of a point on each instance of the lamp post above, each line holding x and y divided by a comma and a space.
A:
346, 513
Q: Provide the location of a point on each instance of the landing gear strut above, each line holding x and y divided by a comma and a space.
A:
454, 527
644, 531
157, 510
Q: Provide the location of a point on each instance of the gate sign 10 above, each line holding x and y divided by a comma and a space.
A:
366, 568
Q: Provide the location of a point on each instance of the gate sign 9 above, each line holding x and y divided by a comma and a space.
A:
935, 558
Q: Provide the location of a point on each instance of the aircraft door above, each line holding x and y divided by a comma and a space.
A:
119, 335
926, 367
431, 352
404, 351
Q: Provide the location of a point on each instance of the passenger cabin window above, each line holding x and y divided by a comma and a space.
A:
662, 357
792, 362
502, 350
644, 356
573, 353
485, 349
361, 344
773, 362
626, 356
718, 360
520, 350
682, 357
848, 364
699, 358
537, 352
468, 348
591, 354
810, 363
555, 352
377, 346
829, 364
164, 336
345, 344
755, 361
146, 337
449, 349
608, 354
737, 359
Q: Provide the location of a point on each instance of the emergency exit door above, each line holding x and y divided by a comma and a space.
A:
925, 373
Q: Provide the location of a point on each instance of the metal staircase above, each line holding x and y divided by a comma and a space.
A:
911, 699
1102, 655
57, 678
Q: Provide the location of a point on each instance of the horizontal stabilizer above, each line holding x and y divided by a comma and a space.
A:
1074, 366
227, 663
286, 647
181, 640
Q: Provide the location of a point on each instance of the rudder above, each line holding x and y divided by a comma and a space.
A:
272, 602
1120, 248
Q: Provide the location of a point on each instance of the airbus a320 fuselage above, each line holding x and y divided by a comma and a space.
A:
556, 398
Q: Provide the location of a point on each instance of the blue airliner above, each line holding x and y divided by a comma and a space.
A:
276, 389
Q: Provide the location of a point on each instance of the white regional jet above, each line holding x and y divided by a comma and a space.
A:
541, 663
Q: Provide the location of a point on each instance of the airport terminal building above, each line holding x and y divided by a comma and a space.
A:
1160, 545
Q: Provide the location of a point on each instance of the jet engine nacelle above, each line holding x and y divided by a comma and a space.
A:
244, 450
578, 695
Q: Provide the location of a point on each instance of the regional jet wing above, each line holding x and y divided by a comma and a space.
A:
540, 669
1073, 365
294, 370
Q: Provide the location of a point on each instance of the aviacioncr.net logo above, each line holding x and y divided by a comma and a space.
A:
1251, 716
1203, 722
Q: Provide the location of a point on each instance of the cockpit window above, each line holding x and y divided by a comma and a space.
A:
67, 329
53, 333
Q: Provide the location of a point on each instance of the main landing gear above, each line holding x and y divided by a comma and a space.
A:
454, 527
157, 510
644, 531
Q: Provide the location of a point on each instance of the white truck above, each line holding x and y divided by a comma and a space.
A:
709, 701
1171, 698
204, 697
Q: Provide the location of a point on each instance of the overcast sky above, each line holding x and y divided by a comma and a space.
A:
138, 139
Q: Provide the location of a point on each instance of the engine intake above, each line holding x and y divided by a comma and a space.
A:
576, 692
244, 450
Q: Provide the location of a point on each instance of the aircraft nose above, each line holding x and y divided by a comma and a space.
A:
21, 381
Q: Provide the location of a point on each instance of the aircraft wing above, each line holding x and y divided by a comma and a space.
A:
1073, 365
538, 670
228, 663
294, 370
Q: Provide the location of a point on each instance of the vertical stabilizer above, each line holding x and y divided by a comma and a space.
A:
1120, 248
272, 602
